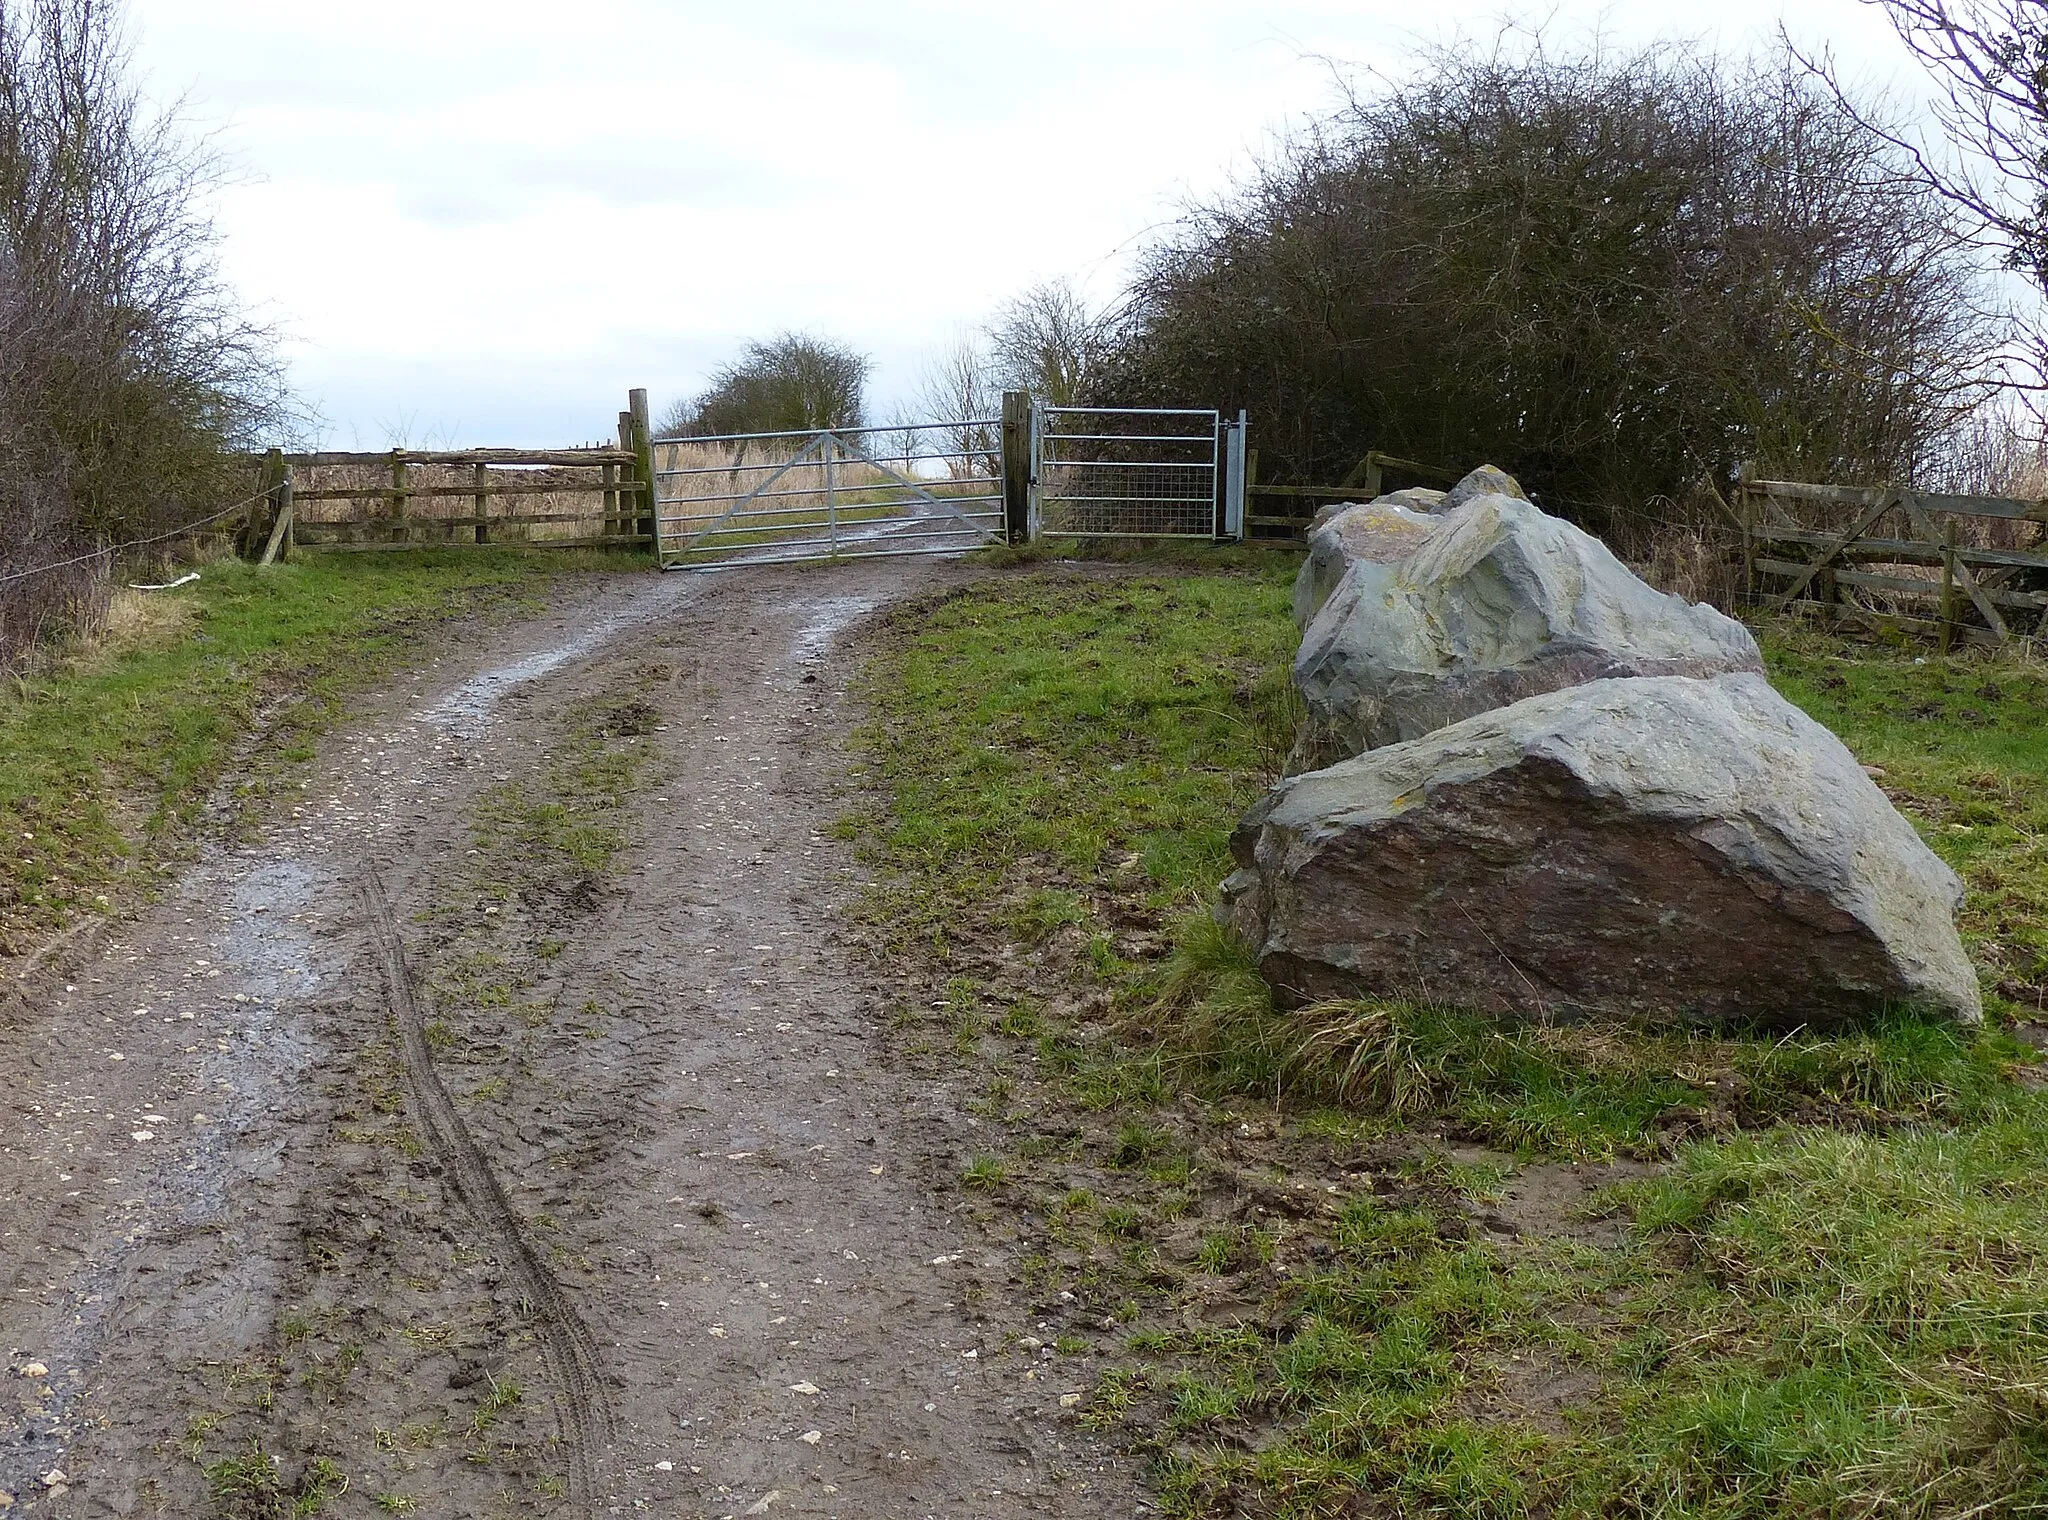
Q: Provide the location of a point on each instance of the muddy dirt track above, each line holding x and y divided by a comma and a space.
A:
506, 1132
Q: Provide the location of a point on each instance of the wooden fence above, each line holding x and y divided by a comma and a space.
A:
1969, 567
1951, 566
1288, 509
420, 498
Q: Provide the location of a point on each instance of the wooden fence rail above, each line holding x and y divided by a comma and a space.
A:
1862, 565
1288, 509
415, 498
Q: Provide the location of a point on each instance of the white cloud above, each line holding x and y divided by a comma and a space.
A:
482, 222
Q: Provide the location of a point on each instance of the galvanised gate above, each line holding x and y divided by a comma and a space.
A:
948, 487
1127, 472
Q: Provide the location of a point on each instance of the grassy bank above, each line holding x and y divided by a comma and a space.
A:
1408, 1262
107, 756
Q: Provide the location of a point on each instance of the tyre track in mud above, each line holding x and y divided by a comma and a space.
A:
582, 1410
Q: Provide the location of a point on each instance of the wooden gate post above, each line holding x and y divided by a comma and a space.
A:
1017, 466
280, 541
643, 465
483, 504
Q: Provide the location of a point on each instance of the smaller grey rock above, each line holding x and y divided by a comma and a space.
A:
1487, 480
1415, 498
1326, 511
1497, 601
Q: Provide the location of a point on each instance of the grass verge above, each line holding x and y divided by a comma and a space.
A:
1388, 1259
107, 758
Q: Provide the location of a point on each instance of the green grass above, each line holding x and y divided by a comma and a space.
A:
984, 1174
248, 1486
1092, 732
563, 825
1824, 1293
106, 758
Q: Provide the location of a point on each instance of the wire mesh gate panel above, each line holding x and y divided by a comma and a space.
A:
841, 493
1124, 472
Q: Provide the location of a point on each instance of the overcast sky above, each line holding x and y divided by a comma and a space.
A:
481, 221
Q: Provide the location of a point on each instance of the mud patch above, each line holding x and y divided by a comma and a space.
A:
1559, 1200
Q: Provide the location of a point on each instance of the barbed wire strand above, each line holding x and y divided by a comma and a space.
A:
135, 543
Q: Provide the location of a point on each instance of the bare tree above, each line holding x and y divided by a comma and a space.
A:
961, 388
1048, 341
128, 375
1988, 60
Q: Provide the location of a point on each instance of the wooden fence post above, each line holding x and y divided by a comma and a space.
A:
1746, 512
643, 465
629, 511
250, 539
399, 498
611, 500
1016, 466
1948, 584
280, 542
483, 504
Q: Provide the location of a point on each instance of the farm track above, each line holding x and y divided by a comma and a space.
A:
379, 1155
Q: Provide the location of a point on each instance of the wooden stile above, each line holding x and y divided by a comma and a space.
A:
1832, 567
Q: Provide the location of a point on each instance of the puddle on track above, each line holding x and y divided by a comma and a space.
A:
830, 617
470, 705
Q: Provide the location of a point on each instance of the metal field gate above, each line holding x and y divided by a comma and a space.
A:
1129, 472
948, 487
773, 498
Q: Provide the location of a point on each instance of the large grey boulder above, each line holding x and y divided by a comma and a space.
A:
1381, 531
1497, 602
1663, 846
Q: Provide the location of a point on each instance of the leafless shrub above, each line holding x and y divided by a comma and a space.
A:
961, 387
1049, 341
1610, 272
1696, 563
127, 373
